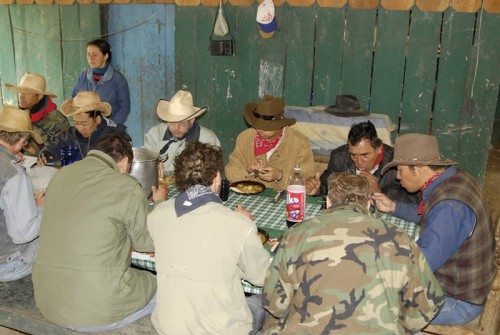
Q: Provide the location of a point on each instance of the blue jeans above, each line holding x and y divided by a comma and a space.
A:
456, 312
20, 267
148, 309
258, 312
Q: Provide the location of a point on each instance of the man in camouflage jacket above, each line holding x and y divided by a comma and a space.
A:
346, 272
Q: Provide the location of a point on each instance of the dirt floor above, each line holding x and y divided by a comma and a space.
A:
492, 183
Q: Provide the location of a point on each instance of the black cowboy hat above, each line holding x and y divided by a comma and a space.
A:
346, 105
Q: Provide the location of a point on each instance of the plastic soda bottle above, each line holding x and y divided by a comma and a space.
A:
295, 197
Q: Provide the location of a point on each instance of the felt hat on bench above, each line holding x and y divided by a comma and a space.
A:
347, 106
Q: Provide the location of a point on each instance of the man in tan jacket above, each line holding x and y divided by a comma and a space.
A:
202, 251
269, 150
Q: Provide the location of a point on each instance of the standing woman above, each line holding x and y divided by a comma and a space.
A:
101, 78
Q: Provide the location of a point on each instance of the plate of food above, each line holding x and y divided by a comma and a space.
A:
263, 235
247, 187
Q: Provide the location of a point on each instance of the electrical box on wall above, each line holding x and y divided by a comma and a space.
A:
222, 47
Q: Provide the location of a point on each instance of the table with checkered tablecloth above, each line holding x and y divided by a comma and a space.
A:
270, 217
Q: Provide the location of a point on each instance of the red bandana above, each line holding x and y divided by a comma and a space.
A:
421, 205
379, 157
49, 107
262, 145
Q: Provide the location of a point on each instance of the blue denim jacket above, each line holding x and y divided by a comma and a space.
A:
112, 88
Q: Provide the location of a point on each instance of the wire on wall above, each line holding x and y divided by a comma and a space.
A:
43, 37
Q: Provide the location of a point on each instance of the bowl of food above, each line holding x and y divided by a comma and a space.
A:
247, 187
263, 235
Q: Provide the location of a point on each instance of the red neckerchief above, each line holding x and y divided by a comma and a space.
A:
262, 145
49, 107
97, 77
421, 205
379, 157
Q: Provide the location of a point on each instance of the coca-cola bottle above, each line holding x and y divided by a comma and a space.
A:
295, 198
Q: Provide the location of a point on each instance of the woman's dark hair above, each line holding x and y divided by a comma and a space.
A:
116, 146
103, 46
364, 130
198, 163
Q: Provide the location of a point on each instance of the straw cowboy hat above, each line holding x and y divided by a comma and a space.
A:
180, 108
267, 114
83, 102
13, 119
346, 105
31, 83
417, 149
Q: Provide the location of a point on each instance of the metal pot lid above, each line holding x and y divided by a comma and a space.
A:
144, 155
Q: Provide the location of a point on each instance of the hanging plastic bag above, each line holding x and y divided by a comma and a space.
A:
220, 27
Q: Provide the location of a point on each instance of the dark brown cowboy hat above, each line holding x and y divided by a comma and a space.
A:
417, 149
268, 114
346, 105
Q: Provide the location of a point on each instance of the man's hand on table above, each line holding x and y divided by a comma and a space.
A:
242, 210
383, 203
159, 193
313, 184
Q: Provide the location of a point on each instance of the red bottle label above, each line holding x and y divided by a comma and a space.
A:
295, 205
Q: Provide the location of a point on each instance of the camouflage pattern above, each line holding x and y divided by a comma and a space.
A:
51, 125
345, 272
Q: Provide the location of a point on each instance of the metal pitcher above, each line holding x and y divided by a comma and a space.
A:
144, 168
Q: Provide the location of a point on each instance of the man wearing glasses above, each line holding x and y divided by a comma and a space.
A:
169, 138
365, 155
20, 212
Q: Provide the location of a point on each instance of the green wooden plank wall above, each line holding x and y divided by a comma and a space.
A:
49, 40
430, 72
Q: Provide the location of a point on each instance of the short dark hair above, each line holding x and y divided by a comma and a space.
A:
116, 146
198, 163
364, 130
103, 46
348, 188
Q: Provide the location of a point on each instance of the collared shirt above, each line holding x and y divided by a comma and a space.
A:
440, 239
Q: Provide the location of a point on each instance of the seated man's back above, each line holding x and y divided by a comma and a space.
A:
345, 272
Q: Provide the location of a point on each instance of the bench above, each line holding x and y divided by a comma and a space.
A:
18, 312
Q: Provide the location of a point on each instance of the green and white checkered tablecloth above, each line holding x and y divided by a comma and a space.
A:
271, 217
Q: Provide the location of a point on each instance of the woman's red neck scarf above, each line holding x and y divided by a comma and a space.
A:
263, 145
39, 112
429, 181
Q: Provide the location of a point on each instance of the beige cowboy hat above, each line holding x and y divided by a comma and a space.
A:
179, 108
31, 83
13, 119
417, 149
267, 114
85, 101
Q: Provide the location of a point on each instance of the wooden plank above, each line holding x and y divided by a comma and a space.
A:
78, 26
432, 5
272, 57
482, 86
357, 57
185, 48
397, 4
466, 6
142, 59
420, 72
8, 64
203, 62
456, 42
299, 56
389, 62
328, 55
247, 72
226, 74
